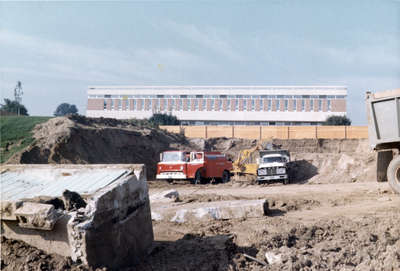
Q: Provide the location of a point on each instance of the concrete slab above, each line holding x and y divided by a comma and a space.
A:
113, 230
218, 210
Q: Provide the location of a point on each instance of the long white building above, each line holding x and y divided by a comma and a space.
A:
220, 105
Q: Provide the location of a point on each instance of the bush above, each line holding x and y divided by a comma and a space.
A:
337, 121
164, 119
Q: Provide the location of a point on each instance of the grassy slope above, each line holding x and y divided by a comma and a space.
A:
17, 132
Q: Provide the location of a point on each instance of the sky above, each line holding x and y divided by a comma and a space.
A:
58, 49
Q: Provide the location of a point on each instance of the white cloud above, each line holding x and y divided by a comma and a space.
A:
208, 37
49, 58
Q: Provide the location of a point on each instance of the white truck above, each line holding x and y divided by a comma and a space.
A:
383, 109
273, 165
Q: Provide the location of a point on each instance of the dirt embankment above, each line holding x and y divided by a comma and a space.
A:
76, 139
314, 160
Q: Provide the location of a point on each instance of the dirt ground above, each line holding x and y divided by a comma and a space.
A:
352, 226
333, 216
349, 226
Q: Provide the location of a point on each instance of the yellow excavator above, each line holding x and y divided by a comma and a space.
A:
246, 163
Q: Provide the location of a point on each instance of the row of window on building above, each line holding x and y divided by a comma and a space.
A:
248, 123
218, 96
214, 105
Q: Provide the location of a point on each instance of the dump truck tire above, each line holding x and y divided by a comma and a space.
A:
226, 176
197, 177
383, 159
393, 174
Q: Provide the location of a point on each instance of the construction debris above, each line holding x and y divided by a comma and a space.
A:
112, 228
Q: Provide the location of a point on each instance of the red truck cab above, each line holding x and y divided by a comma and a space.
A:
193, 165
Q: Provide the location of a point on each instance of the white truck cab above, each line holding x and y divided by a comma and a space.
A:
273, 166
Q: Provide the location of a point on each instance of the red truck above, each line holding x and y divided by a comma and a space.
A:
193, 165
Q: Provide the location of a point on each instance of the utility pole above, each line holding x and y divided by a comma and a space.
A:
18, 95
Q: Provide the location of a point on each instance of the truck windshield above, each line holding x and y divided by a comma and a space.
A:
172, 157
273, 160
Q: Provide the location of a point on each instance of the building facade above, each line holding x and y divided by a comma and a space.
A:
220, 105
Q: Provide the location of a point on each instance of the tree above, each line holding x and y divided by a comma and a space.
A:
337, 121
64, 109
164, 119
13, 107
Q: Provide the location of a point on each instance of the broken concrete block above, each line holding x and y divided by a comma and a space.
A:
114, 230
165, 196
8, 209
213, 210
156, 216
34, 215
273, 258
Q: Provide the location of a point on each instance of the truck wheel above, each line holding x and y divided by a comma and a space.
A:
383, 159
226, 176
197, 177
393, 174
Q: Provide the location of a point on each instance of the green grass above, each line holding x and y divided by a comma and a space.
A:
17, 133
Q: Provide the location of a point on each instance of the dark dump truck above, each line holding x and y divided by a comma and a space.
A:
383, 110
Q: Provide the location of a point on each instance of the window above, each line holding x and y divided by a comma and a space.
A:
150, 104
278, 105
189, 105
204, 103
322, 96
228, 105
222, 96
199, 96
303, 106
107, 96
306, 96
294, 105
105, 105
172, 104
340, 96
183, 96
319, 105
180, 104
286, 105
218, 105
112, 104
160, 96
311, 105
212, 104
329, 105
119, 105
236, 105
252, 105
244, 105
261, 105
134, 104
269, 105
196, 104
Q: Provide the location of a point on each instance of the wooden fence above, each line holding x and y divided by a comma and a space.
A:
271, 132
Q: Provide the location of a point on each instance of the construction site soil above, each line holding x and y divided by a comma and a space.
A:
333, 216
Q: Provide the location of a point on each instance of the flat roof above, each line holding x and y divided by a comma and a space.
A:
228, 90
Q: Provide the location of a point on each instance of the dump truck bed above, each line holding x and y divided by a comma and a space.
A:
383, 110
